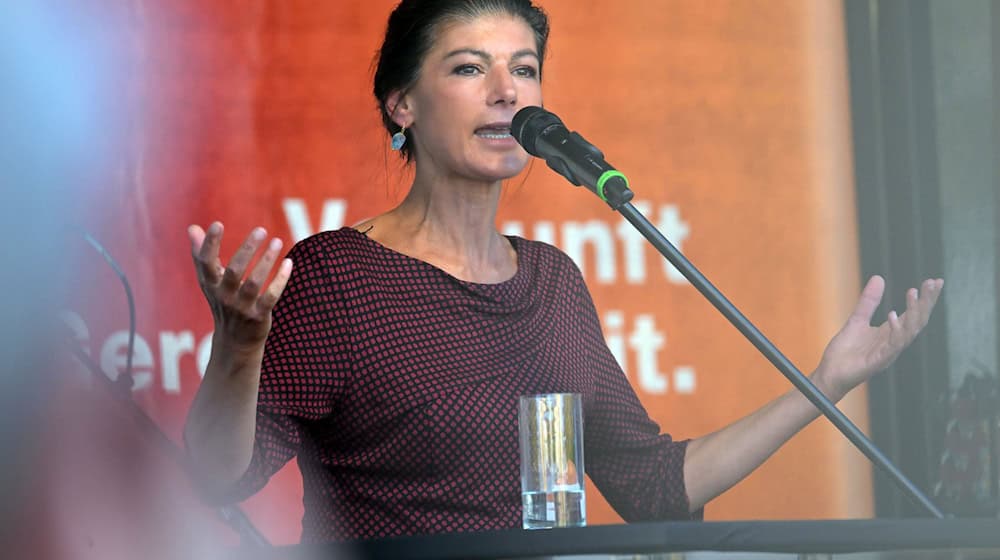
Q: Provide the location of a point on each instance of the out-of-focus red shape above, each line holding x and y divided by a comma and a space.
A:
101, 487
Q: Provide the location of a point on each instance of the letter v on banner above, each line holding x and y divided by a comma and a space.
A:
299, 224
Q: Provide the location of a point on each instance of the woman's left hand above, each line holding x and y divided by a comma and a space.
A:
860, 350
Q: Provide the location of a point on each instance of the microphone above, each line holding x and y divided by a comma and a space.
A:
543, 135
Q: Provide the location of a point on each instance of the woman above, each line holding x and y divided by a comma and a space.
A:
399, 347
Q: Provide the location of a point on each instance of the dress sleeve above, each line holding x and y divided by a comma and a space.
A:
638, 470
306, 364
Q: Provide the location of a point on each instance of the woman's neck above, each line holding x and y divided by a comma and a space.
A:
450, 223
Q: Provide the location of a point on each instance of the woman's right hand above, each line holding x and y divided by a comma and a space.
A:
242, 312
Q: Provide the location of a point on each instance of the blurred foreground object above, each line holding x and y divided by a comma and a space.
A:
78, 480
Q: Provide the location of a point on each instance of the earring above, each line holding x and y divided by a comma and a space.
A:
399, 139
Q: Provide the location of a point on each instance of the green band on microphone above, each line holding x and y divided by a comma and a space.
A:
604, 179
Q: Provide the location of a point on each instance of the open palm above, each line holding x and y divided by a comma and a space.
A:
860, 350
237, 293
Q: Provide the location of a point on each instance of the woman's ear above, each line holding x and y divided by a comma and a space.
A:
400, 109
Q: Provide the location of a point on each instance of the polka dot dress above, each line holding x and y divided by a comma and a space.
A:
396, 385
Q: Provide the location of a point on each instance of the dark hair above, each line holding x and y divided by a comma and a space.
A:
411, 32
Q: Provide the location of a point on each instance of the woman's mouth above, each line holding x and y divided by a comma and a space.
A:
494, 132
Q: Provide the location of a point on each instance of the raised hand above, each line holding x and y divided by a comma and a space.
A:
860, 350
241, 310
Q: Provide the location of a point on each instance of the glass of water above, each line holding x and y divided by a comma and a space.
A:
550, 427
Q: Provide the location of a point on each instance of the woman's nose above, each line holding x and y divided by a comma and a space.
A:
502, 90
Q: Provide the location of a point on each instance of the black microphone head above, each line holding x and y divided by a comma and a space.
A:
529, 123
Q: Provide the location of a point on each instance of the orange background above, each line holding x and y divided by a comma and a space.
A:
735, 113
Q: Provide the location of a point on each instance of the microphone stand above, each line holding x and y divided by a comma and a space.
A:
618, 197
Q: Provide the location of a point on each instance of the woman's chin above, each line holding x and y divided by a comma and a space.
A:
506, 168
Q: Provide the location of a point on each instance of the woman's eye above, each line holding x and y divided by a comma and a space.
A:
467, 70
526, 72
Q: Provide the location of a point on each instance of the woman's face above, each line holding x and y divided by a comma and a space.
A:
476, 76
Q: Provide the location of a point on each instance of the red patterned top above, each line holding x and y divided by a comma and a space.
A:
397, 385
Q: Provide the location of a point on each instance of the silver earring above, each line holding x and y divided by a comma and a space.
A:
398, 140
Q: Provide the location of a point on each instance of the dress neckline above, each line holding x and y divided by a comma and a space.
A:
515, 242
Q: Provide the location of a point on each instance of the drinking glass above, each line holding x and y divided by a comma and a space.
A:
550, 428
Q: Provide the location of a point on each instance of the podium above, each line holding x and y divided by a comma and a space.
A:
868, 539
